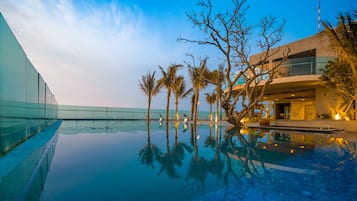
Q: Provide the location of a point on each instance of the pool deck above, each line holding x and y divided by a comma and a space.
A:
276, 127
221, 122
292, 128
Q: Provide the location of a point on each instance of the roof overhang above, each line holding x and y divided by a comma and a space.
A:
295, 87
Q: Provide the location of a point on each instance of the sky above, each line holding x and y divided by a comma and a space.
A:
93, 52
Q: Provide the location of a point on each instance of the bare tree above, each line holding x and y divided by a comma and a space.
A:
229, 33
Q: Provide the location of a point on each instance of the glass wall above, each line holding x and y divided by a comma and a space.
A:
305, 66
27, 105
68, 112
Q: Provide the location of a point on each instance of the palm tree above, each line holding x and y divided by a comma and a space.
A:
192, 104
343, 40
168, 81
179, 92
197, 75
150, 88
210, 98
216, 77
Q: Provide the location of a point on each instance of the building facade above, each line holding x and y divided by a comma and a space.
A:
296, 92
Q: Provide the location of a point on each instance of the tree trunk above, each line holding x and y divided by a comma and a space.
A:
217, 103
149, 105
177, 115
168, 106
195, 109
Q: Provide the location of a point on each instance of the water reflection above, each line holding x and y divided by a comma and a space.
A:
198, 168
168, 160
24, 169
73, 127
150, 152
264, 156
179, 148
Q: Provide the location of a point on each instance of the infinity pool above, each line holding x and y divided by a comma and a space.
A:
123, 160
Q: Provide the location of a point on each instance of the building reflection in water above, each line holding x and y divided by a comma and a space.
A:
237, 155
24, 170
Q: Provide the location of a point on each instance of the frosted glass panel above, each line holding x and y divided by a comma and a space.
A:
26, 103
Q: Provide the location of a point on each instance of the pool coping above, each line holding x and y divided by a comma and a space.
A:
292, 128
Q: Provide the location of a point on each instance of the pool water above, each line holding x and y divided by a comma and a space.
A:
124, 160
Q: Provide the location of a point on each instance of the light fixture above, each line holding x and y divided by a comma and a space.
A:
337, 116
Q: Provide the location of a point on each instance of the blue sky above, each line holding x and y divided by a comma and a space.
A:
94, 52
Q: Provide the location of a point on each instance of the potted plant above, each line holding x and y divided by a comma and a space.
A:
264, 122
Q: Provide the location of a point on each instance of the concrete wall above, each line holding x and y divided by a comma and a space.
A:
349, 126
302, 110
327, 101
320, 42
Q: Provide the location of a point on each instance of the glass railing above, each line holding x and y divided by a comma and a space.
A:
68, 112
296, 67
303, 66
27, 105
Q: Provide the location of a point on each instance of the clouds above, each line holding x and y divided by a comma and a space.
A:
91, 53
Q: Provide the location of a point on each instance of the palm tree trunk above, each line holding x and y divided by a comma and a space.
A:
219, 103
168, 106
177, 115
210, 111
195, 108
149, 105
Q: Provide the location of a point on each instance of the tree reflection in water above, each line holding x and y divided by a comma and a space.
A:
150, 152
234, 159
216, 164
198, 168
178, 152
238, 157
173, 158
